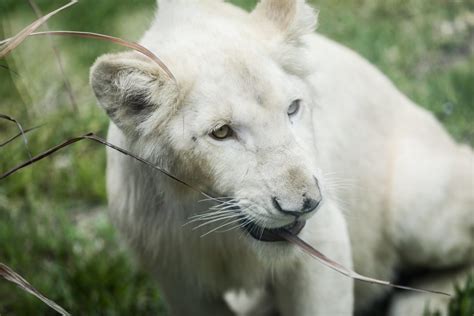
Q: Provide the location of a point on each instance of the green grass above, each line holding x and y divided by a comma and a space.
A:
462, 304
52, 225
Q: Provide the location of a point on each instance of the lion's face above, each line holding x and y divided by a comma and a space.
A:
251, 130
237, 123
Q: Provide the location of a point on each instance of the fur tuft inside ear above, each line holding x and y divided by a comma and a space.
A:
294, 18
134, 92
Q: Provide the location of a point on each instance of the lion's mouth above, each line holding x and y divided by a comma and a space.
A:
273, 234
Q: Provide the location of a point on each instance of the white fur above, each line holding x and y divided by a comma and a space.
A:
380, 159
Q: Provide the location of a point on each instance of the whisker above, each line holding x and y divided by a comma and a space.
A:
218, 199
216, 220
215, 198
339, 185
217, 216
213, 230
208, 214
242, 224
205, 218
226, 207
232, 201
216, 208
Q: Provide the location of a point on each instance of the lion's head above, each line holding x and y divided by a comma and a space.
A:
237, 121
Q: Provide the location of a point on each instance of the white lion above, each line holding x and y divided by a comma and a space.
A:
289, 130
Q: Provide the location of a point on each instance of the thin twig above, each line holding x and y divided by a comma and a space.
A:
9, 69
343, 270
57, 54
22, 132
93, 137
10, 44
108, 38
18, 135
283, 234
13, 42
8, 274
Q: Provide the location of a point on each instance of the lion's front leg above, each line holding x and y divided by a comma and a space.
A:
314, 290
308, 288
183, 299
183, 302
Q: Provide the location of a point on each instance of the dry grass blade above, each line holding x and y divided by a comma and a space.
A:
12, 43
10, 275
57, 55
22, 132
135, 46
18, 135
287, 236
8, 69
343, 270
93, 137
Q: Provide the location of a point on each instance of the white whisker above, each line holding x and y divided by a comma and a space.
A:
208, 214
216, 198
226, 207
216, 220
207, 218
213, 230
242, 224
220, 202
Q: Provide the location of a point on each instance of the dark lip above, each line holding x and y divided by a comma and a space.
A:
273, 234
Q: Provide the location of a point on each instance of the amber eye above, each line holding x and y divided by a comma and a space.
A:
293, 108
222, 132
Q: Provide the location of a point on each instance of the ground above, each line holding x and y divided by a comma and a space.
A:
53, 228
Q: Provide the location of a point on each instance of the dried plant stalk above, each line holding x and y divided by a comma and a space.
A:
13, 42
22, 132
8, 274
343, 270
108, 38
95, 138
9, 69
287, 236
116, 40
57, 55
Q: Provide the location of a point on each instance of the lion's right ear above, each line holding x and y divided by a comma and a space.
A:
136, 93
294, 18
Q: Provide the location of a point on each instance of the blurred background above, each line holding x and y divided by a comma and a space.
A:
53, 225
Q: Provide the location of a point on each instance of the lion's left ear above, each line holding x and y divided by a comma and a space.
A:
294, 18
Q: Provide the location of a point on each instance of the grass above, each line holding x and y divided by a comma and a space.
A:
53, 229
462, 304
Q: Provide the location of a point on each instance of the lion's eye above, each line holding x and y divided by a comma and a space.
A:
293, 108
222, 132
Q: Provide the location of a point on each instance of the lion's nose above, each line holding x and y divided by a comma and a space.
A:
309, 205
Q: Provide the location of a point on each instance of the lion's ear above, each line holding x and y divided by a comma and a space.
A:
294, 18
135, 92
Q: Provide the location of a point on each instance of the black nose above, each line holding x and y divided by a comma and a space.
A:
309, 205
